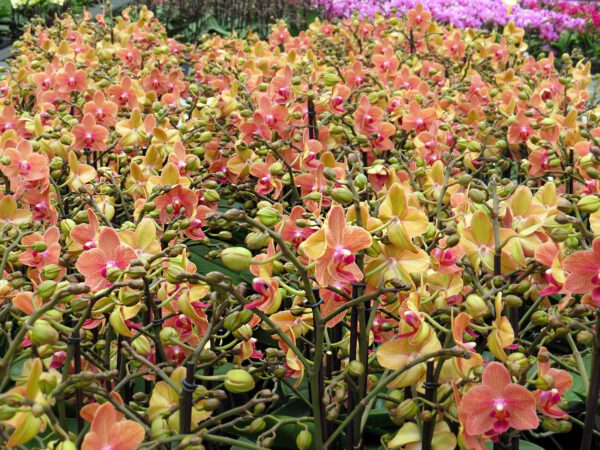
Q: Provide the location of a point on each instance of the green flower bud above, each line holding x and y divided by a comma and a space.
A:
43, 333
46, 289
397, 395
513, 301
356, 368
205, 137
477, 196
211, 196
243, 333
476, 306
238, 381
304, 440
256, 240
268, 216
167, 334
159, 428
314, 196
342, 195
67, 225
585, 337
236, 258
257, 425
405, 410
7, 412
51, 271
589, 203
142, 345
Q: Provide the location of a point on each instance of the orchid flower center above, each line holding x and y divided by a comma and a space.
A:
24, 167
89, 138
342, 256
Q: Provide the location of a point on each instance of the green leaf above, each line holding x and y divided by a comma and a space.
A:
577, 392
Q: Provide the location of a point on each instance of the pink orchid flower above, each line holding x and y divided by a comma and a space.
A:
96, 263
585, 271
498, 404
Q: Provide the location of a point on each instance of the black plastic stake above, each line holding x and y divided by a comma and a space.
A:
430, 386
185, 399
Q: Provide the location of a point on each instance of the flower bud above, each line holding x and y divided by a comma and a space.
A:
256, 240
205, 136
405, 410
356, 368
46, 289
167, 334
397, 395
304, 440
66, 445
544, 383
513, 301
268, 216
517, 363
39, 246
314, 196
238, 381
243, 333
43, 333
585, 337
67, 225
550, 424
477, 196
476, 306
211, 196
342, 195
142, 345
589, 203
236, 258
7, 412
51, 271
331, 79
257, 425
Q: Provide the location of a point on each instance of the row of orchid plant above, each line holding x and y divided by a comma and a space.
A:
375, 231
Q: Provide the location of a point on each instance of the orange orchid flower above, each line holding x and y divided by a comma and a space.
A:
334, 247
498, 404
95, 264
89, 135
109, 431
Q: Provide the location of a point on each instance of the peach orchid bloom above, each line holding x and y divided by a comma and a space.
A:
27, 169
334, 249
367, 117
498, 404
584, 268
104, 111
94, 264
89, 135
110, 431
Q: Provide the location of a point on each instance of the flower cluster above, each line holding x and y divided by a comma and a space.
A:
533, 16
242, 236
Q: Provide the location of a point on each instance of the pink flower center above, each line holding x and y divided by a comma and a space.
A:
549, 398
24, 167
343, 257
501, 414
88, 138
